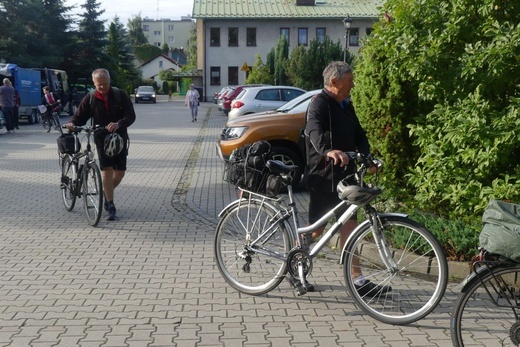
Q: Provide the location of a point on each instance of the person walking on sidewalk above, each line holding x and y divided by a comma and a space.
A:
7, 103
192, 100
112, 108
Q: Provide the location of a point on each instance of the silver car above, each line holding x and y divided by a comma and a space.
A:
260, 99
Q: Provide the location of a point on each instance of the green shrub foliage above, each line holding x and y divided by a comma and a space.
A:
438, 91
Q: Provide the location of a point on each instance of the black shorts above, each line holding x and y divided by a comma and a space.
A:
117, 162
323, 202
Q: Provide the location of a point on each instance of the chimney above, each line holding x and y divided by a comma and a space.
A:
305, 2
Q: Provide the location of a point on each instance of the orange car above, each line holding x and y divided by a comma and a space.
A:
282, 128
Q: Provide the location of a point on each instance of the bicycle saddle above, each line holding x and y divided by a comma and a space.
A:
357, 195
276, 166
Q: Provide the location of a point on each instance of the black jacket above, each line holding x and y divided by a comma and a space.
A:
122, 112
329, 126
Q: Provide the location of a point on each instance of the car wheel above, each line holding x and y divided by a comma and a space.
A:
289, 157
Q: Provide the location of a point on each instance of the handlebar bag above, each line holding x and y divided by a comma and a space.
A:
501, 230
66, 144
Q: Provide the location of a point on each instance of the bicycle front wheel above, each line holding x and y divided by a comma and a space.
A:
68, 188
251, 247
487, 310
92, 193
46, 124
416, 270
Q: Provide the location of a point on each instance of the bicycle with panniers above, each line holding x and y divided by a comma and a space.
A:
80, 174
259, 242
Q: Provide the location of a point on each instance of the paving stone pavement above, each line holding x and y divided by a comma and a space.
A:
149, 279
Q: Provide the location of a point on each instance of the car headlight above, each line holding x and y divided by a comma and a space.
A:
153, 95
231, 133
136, 95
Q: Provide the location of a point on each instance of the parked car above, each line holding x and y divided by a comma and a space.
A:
145, 93
216, 95
282, 128
259, 99
231, 94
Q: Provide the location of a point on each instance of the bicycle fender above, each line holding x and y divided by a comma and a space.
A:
362, 225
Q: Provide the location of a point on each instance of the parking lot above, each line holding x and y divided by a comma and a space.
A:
149, 279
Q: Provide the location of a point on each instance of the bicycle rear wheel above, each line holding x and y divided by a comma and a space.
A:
487, 308
418, 277
92, 193
251, 250
68, 188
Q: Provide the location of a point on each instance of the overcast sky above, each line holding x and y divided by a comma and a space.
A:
126, 9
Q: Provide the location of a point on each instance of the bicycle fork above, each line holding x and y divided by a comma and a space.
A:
381, 242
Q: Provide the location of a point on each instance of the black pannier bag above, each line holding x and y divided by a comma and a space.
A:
246, 169
66, 144
501, 230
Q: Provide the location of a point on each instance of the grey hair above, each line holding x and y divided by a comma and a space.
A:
6, 81
100, 73
335, 70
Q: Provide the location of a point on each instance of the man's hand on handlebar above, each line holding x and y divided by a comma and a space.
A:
112, 127
339, 157
70, 126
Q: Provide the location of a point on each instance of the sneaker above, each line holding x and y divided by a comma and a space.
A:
111, 211
370, 289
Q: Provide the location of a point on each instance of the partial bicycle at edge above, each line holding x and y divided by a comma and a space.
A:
258, 242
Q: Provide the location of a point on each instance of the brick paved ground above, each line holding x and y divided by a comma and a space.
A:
149, 278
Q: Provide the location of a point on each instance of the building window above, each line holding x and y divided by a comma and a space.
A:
158, 44
146, 27
302, 37
171, 39
232, 75
353, 37
251, 36
215, 75
233, 37
160, 64
171, 27
214, 36
369, 31
157, 33
286, 32
320, 34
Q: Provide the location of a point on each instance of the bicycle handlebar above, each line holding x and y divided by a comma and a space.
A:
86, 128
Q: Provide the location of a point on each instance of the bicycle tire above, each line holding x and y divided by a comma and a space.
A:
68, 188
477, 320
57, 122
92, 193
414, 293
247, 269
46, 124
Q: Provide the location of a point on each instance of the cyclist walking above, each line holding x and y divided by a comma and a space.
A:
332, 128
112, 108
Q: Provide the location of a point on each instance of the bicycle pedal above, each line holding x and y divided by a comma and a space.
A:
301, 290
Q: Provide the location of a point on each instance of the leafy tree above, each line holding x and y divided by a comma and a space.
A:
135, 31
146, 52
281, 56
165, 48
191, 50
270, 60
260, 73
449, 72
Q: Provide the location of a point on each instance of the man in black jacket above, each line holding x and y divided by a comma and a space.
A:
116, 113
332, 128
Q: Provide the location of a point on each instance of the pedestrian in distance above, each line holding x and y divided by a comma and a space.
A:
192, 100
50, 101
112, 108
332, 128
7, 104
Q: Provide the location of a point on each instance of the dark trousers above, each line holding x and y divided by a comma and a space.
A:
8, 117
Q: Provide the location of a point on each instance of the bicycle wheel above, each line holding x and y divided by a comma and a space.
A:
68, 189
250, 249
57, 122
487, 308
46, 124
92, 193
418, 277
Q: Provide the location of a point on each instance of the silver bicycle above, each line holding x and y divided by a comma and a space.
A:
258, 242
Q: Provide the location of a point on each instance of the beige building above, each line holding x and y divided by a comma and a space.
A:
230, 33
175, 33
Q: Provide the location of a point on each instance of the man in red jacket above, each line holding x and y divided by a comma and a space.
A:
112, 108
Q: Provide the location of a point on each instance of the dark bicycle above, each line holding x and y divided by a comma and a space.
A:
80, 175
49, 118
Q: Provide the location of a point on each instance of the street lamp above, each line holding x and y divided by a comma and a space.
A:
347, 22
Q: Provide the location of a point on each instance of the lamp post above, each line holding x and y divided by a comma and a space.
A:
347, 22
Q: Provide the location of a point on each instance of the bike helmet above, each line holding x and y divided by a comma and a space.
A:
113, 144
357, 195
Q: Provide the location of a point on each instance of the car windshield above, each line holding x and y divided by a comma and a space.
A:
145, 89
298, 104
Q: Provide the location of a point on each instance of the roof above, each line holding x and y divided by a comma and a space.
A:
160, 56
272, 9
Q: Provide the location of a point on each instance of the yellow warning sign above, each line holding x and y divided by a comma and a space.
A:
245, 67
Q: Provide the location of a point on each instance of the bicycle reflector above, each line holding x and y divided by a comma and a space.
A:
113, 144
